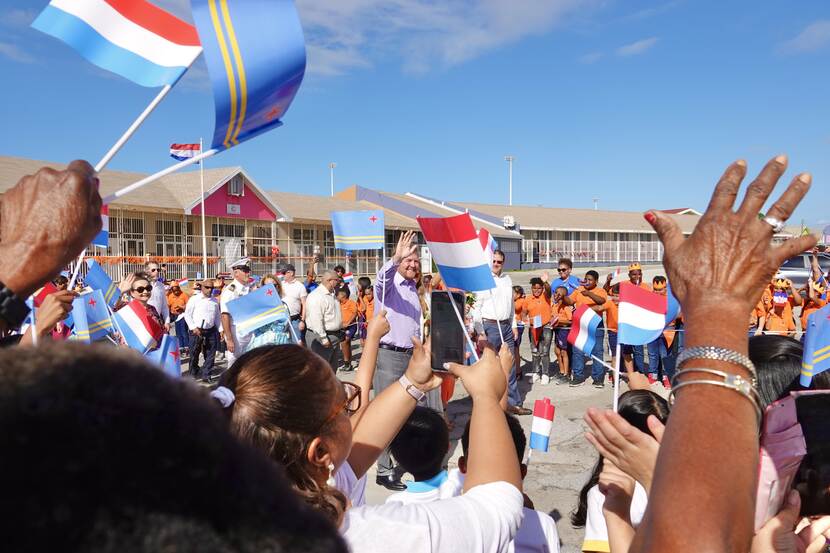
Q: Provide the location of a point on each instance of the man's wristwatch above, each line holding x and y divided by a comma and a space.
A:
411, 389
13, 310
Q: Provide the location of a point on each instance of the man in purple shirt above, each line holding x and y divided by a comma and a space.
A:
396, 289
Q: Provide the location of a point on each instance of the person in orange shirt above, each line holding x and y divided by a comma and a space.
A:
365, 310
538, 313
777, 320
348, 311
518, 307
661, 359
812, 304
595, 298
177, 301
561, 320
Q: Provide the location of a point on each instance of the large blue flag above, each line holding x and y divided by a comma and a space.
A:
255, 53
166, 356
358, 230
91, 317
261, 307
816, 345
97, 279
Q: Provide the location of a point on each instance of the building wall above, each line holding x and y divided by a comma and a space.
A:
246, 206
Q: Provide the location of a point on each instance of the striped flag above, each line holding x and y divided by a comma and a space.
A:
97, 279
641, 315
184, 151
132, 38
102, 239
583, 334
166, 356
457, 252
542, 424
182, 282
139, 329
261, 307
91, 317
348, 278
488, 243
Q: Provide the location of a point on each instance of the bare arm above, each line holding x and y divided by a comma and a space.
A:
377, 328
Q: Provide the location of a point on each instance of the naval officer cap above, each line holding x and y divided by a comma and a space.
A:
243, 263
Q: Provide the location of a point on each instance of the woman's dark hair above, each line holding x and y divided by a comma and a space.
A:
778, 362
282, 394
141, 275
635, 407
363, 283
519, 290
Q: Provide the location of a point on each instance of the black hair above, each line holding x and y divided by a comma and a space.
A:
344, 289
516, 432
562, 288
635, 407
104, 453
364, 282
658, 278
422, 443
536, 281
592, 273
60, 279
501, 253
519, 290
339, 268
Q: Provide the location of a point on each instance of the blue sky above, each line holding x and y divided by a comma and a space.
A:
641, 104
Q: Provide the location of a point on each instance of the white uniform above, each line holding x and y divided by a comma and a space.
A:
232, 291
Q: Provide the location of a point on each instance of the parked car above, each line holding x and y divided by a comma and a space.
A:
798, 268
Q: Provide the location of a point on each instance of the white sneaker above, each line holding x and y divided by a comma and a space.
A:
545, 380
535, 378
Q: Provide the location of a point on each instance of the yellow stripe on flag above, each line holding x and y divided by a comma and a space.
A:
223, 47
240, 70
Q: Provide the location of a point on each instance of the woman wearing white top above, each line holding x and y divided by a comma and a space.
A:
289, 404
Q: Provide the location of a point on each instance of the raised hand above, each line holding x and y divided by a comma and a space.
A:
378, 326
405, 246
419, 371
484, 379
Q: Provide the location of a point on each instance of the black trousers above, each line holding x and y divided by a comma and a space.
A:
209, 345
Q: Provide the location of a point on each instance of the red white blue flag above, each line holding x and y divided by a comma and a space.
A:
138, 328
488, 243
642, 315
457, 252
583, 334
184, 151
542, 424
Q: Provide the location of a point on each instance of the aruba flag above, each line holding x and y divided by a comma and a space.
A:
583, 334
255, 53
166, 356
642, 315
139, 329
816, 357
457, 252
358, 230
542, 424
97, 279
132, 38
91, 317
261, 307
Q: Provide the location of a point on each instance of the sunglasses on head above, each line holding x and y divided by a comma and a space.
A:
142, 289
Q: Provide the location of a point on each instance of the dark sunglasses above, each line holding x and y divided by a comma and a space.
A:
563, 270
154, 270
497, 262
244, 269
142, 289
207, 287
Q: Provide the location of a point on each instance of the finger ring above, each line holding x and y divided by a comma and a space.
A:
777, 224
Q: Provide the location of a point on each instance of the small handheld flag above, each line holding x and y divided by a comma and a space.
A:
38, 298
97, 279
348, 278
488, 243
358, 230
91, 317
583, 334
257, 309
102, 239
184, 151
183, 282
642, 315
140, 330
166, 356
542, 424
134, 38
457, 252
816, 356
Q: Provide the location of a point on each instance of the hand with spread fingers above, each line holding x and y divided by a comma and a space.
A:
406, 246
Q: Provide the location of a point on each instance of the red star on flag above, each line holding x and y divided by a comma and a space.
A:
269, 293
92, 302
175, 354
373, 218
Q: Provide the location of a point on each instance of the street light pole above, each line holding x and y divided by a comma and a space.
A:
509, 160
331, 174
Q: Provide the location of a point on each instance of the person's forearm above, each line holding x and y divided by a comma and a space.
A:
489, 440
620, 531
226, 326
599, 300
365, 375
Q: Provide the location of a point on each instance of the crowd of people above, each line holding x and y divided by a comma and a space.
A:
104, 452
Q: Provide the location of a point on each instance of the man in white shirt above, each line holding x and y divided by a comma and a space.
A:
294, 294
235, 343
494, 319
323, 319
203, 317
158, 297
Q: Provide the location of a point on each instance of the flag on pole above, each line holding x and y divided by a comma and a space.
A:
583, 334
261, 307
91, 317
97, 279
457, 252
816, 356
39, 296
166, 356
641, 315
183, 282
348, 278
358, 230
141, 331
542, 424
184, 151
102, 239
132, 38
255, 53
488, 243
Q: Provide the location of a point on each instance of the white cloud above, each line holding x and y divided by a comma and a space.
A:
637, 48
590, 58
14, 53
814, 37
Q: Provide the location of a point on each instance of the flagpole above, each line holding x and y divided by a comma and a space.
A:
463, 327
75, 271
163, 173
617, 379
131, 130
204, 237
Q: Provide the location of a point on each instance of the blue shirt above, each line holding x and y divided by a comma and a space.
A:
571, 284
